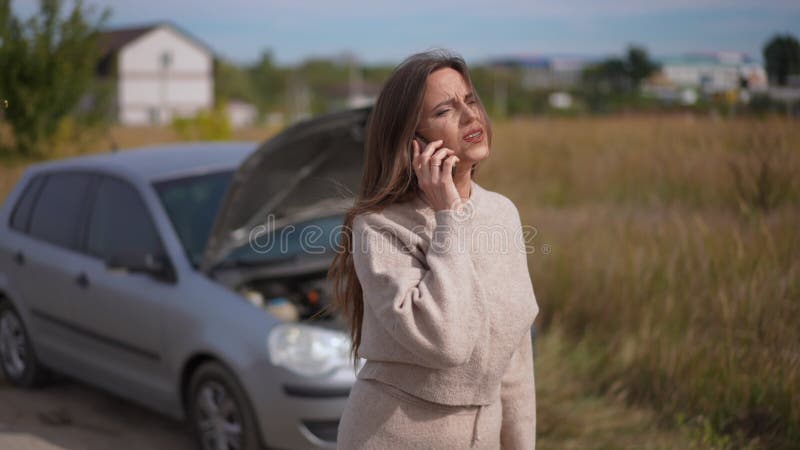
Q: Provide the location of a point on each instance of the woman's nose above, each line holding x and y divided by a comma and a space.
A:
469, 113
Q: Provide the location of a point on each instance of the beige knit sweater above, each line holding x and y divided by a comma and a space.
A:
449, 305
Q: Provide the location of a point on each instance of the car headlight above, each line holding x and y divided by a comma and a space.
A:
308, 350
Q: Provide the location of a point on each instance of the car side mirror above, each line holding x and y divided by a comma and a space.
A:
137, 260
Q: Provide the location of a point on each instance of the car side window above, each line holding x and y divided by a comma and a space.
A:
57, 214
120, 222
22, 210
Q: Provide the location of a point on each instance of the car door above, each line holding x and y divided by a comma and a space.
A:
14, 240
125, 310
48, 263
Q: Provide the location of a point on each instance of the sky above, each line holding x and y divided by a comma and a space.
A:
385, 32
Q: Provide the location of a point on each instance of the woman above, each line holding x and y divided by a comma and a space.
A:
441, 315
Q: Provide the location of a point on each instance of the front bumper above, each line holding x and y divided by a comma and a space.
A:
296, 412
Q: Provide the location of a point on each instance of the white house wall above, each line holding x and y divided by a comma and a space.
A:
151, 89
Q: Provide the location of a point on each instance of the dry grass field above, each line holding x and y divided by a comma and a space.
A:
673, 271
666, 268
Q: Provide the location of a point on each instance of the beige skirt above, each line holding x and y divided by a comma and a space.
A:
380, 416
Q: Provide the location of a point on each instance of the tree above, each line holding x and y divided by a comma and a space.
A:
782, 56
48, 64
621, 75
231, 82
638, 65
608, 76
269, 83
614, 82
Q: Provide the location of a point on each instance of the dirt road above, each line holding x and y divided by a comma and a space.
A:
69, 415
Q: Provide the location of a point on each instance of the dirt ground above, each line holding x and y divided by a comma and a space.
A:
69, 415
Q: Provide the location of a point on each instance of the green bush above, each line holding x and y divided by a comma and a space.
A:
206, 125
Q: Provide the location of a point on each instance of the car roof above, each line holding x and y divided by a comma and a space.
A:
160, 161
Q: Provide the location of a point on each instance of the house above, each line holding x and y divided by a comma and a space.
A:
159, 72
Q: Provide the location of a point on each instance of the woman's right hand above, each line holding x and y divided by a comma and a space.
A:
434, 169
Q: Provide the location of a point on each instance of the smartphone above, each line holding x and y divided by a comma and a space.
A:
424, 143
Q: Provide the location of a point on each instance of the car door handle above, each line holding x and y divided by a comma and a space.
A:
19, 258
82, 280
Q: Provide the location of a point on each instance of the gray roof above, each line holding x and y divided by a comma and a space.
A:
161, 161
113, 39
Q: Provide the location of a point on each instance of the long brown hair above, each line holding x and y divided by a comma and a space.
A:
388, 176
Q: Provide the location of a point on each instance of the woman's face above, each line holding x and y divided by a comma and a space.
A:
451, 112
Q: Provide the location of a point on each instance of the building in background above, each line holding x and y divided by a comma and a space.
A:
546, 72
714, 72
159, 72
241, 114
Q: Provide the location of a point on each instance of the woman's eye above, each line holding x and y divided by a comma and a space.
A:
441, 112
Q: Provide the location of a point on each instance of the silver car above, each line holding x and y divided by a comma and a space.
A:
189, 278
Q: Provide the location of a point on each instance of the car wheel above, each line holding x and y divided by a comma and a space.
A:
17, 357
220, 414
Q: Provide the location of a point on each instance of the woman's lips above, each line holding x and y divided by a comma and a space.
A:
474, 136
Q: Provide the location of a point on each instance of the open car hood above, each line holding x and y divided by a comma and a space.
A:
312, 168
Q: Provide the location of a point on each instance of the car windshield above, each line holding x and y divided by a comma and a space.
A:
192, 203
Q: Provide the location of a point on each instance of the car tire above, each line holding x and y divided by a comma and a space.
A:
218, 407
17, 355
